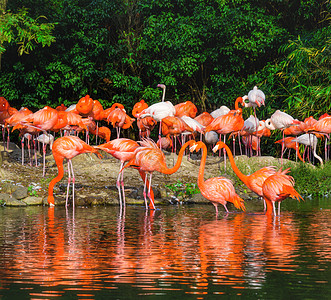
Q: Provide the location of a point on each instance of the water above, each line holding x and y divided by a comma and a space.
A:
176, 252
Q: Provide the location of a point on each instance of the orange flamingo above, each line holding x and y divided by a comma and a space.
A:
85, 105
290, 144
67, 147
278, 187
254, 181
123, 150
232, 122
165, 142
150, 158
174, 126
186, 109
139, 107
218, 190
145, 126
103, 132
44, 120
322, 126
204, 119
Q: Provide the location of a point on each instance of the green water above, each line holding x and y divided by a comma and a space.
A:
176, 252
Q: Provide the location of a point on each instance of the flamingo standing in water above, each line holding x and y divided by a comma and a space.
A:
218, 190
123, 150
254, 181
150, 158
67, 147
278, 187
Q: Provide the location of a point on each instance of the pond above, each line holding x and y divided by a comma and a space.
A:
175, 252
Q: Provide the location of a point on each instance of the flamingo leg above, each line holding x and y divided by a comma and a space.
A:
278, 208
118, 185
22, 143
122, 183
273, 208
69, 180
224, 152
73, 184
145, 184
241, 152
149, 190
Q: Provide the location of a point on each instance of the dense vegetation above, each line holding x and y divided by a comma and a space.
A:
208, 52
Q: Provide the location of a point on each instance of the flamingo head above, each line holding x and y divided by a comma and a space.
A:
196, 146
269, 124
219, 145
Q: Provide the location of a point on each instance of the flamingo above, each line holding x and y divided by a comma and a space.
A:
289, 143
323, 126
186, 109
139, 107
103, 132
67, 147
44, 120
253, 125
232, 122
194, 124
46, 139
223, 110
254, 181
309, 139
145, 126
159, 110
150, 158
204, 119
173, 126
85, 105
278, 187
218, 190
123, 150
281, 120
165, 142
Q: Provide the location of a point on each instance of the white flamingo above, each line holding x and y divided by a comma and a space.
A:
159, 110
309, 139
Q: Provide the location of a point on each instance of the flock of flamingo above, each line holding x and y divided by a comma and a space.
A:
174, 120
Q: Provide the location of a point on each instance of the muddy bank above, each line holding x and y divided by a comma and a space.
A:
96, 178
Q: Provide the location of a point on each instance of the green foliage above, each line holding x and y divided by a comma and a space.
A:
32, 191
209, 52
183, 190
306, 73
312, 181
24, 31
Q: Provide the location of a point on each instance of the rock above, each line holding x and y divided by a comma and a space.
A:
17, 191
8, 188
15, 202
21, 192
4, 198
31, 200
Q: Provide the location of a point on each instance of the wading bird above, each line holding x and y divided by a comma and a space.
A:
278, 187
218, 190
67, 147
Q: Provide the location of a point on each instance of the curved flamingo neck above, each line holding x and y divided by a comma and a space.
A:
201, 180
179, 160
163, 95
241, 176
59, 163
236, 104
